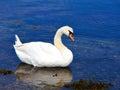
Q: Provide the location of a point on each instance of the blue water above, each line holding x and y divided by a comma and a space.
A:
96, 25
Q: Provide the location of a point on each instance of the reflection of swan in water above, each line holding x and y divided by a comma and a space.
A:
42, 77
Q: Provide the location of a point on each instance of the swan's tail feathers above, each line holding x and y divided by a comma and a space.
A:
17, 42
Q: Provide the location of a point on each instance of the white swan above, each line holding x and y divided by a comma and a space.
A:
43, 54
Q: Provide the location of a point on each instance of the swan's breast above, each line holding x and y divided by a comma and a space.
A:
68, 56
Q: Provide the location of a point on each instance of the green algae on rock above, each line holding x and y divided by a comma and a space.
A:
88, 85
6, 72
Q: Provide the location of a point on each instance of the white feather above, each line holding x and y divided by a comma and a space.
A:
43, 54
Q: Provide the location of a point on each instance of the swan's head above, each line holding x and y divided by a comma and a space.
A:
68, 31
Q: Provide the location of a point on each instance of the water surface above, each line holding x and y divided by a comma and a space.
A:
96, 26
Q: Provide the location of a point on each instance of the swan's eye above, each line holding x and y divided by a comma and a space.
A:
70, 33
71, 36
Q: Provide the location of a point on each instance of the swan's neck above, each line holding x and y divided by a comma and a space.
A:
58, 42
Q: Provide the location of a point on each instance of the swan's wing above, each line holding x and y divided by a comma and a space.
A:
38, 52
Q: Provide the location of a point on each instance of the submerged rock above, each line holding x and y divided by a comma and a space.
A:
34, 27
17, 23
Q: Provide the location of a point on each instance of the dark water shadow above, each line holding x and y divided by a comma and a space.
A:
52, 78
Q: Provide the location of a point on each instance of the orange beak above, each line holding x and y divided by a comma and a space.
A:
71, 37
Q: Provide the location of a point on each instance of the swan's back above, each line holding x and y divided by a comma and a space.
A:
47, 53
